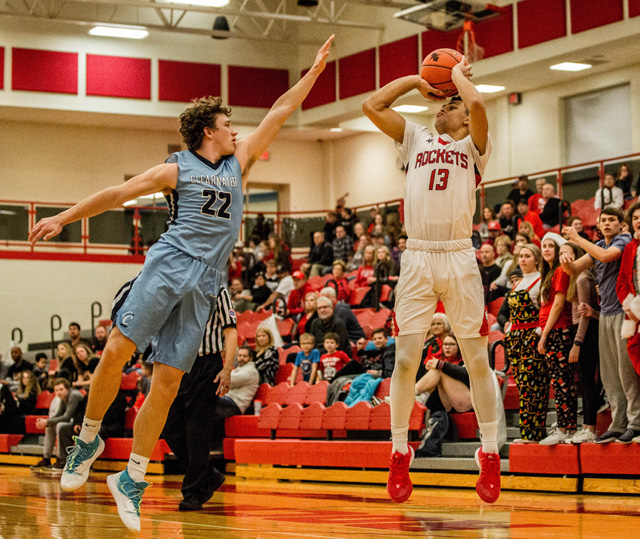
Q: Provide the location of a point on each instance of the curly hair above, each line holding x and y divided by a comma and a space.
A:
201, 114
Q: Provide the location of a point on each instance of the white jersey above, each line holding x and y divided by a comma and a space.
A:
441, 179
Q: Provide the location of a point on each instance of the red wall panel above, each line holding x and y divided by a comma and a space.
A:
44, 71
634, 8
184, 81
496, 35
1, 68
256, 86
433, 39
115, 76
324, 90
540, 21
398, 59
588, 14
357, 73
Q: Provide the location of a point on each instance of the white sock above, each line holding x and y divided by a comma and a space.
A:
400, 437
137, 467
90, 429
489, 437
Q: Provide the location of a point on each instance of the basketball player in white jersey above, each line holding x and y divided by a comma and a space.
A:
443, 172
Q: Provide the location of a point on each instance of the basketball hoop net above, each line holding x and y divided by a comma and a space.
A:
467, 43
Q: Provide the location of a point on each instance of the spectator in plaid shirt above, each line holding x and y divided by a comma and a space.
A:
342, 245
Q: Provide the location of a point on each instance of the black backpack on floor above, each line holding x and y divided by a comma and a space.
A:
437, 428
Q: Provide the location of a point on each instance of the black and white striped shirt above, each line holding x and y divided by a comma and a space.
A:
223, 317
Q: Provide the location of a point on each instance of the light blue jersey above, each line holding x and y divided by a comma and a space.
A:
205, 208
169, 303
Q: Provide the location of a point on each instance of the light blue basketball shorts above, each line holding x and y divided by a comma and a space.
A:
168, 305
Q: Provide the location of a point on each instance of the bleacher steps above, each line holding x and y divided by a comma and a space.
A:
443, 464
467, 449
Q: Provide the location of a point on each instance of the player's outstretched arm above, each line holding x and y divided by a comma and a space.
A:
478, 123
153, 180
378, 107
254, 145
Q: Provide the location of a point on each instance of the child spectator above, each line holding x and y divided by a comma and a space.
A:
307, 360
144, 382
333, 360
40, 370
267, 359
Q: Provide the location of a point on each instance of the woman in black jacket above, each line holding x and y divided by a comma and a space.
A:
446, 384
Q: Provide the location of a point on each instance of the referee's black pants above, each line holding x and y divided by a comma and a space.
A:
190, 423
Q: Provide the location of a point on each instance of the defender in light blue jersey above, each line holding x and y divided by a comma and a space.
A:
169, 302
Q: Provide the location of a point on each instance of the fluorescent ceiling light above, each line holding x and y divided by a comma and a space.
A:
570, 66
130, 32
412, 109
336, 129
207, 3
489, 88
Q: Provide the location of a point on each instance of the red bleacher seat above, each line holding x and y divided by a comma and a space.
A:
385, 293
494, 306
248, 322
53, 367
317, 283
285, 328
491, 319
44, 400
277, 394
269, 416
496, 336
244, 426
383, 388
297, 394
120, 449
261, 394
283, 373
311, 417
380, 418
335, 416
289, 417
416, 419
357, 295
284, 352
358, 416
512, 396
129, 381
379, 319
317, 393
561, 459
30, 424
7, 441
466, 425
130, 418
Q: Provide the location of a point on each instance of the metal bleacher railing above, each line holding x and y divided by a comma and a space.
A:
129, 231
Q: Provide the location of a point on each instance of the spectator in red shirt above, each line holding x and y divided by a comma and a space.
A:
339, 281
310, 312
535, 204
530, 217
556, 339
365, 272
295, 304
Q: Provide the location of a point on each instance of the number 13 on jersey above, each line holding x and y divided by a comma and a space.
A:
439, 179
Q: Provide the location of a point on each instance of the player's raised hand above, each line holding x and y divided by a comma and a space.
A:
463, 67
46, 229
321, 57
429, 92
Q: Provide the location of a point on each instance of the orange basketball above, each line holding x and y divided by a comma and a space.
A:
436, 70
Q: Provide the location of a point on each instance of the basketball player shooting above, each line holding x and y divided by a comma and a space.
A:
443, 171
168, 304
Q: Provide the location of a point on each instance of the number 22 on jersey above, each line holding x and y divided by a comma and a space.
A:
212, 196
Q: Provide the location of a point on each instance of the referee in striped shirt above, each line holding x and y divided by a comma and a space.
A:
190, 422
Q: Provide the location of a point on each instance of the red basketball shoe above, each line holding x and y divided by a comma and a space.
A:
399, 486
488, 485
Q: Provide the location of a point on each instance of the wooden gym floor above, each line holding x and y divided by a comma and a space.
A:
33, 506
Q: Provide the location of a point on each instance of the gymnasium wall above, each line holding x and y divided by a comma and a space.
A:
31, 292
